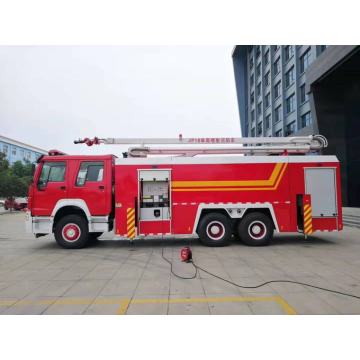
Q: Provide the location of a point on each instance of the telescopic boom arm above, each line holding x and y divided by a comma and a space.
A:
263, 145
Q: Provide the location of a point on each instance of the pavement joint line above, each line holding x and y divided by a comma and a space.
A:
123, 307
124, 303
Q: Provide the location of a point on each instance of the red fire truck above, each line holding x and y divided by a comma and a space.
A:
246, 190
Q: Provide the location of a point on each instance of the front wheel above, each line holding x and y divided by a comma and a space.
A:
215, 230
255, 229
71, 232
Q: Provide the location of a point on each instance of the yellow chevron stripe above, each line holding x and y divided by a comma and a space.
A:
307, 217
307, 222
307, 212
130, 211
274, 185
131, 234
306, 207
131, 219
308, 229
131, 230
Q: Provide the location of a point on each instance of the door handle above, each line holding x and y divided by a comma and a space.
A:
63, 187
101, 187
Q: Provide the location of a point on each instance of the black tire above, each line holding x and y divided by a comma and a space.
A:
221, 227
255, 229
73, 224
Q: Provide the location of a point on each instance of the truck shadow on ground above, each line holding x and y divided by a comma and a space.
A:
281, 240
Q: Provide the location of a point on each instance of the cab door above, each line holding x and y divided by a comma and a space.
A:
93, 185
51, 186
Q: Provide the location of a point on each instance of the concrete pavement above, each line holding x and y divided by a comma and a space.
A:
113, 277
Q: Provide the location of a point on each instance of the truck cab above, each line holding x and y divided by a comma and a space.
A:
71, 196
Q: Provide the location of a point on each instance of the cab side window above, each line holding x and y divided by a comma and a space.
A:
90, 171
52, 172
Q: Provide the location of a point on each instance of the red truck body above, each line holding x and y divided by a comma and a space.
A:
247, 196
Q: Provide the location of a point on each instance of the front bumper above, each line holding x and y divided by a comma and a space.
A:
38, 225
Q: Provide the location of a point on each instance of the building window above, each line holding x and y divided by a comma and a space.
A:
252, 98
28, 155
288, 52
305, 60
259, 108
278, 114
251, 62
252, 115
278, 133
303, 96
267, 121
267, 100
258, 89
258, 51
253, 132
290, 128
252, 80
290, 104
267, 78
275, 47
306, 119
277, 89
13, 150
6, 149
321, 49
267, 57
259, 128
22, 154
258, 70
277, 66
289, 77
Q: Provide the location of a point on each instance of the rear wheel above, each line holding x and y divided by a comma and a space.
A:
71, 232
256, 229
215, 230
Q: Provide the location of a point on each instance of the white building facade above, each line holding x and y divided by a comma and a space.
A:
18, 151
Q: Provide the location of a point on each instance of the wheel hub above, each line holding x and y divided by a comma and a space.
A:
71, 232
215, 230
257, 230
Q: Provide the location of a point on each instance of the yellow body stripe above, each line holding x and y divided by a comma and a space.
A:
268, 182
271, 184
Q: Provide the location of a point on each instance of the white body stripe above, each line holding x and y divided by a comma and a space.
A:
227, 160
242, 206
44, 224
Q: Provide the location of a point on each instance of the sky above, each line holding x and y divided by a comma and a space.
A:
51, 95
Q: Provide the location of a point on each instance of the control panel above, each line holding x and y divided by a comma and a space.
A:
154, 195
